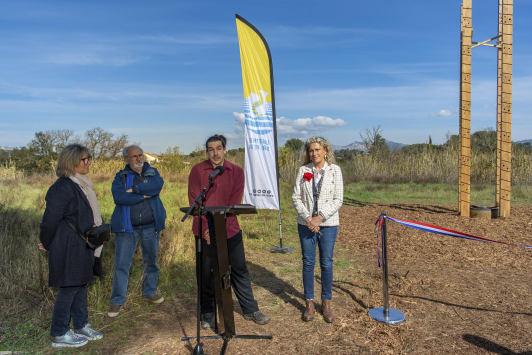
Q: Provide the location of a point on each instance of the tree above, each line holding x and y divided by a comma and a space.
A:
51, 142
30, 160
235, 151
420, 148
115, 146
484, 140
4, 157
294, 144
347, 154
374, 141
102, 144
171, 160
452, 141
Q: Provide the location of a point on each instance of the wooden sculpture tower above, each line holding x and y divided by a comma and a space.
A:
504, 106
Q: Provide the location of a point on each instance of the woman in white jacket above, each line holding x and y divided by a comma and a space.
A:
318, 194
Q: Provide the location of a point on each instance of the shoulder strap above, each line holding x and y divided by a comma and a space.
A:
75, 229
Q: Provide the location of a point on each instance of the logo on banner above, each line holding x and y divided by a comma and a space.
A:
261, 192
259, 117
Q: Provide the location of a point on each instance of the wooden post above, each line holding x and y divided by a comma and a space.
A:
506, 108
465, 110
499, 110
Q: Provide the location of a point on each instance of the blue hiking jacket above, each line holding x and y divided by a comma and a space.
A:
152, 187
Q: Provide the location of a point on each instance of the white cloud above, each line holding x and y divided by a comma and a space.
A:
304, 126
239, 117
442, 113
294, 128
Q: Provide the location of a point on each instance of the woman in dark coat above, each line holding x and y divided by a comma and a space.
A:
71, 198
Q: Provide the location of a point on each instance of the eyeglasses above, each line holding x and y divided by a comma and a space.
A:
135, 157
86, 160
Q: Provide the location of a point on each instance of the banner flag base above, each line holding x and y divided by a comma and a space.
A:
393, 315
282, 250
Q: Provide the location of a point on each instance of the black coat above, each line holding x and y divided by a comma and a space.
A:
70, 262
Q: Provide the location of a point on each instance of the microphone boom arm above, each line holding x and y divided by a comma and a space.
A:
200, 196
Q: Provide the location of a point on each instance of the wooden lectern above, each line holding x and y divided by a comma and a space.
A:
225, 322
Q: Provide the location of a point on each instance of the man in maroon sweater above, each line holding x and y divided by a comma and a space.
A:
227, 190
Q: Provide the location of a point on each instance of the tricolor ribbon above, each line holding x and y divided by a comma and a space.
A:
378, 227
434, 229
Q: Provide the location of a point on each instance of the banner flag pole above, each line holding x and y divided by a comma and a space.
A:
261, 160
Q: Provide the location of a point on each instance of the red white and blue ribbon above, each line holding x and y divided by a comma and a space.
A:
378, 228
433, 229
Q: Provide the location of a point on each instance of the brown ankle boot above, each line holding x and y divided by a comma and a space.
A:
309, 311
327, 311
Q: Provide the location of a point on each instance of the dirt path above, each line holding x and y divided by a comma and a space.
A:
459, 296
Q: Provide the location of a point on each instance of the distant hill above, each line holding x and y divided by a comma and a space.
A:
354, 145
360, 146
395, 146
525, 141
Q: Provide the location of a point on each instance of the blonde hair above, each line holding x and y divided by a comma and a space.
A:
305, 155
69, 158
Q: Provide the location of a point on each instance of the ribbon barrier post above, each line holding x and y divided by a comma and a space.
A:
385, 314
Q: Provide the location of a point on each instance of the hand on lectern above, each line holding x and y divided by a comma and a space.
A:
207, 237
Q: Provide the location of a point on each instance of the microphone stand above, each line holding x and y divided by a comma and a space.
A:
198, 350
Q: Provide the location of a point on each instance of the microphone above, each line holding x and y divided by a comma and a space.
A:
219, 170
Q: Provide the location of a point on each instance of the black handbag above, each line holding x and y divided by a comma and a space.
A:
95, 236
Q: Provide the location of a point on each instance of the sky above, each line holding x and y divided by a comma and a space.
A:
168, 73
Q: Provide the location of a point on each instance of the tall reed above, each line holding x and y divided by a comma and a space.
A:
431, 165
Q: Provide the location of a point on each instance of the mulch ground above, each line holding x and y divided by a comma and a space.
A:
458, 296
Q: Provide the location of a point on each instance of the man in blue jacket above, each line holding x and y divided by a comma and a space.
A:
139, 214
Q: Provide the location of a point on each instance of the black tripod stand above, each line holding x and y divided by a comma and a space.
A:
222, 273
200, 211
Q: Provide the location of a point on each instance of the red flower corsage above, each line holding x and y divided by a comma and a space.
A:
308, 176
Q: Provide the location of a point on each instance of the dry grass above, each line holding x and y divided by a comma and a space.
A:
431, 166
9, 171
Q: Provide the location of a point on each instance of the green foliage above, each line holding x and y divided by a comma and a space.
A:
4, 156
374, 141
30, 161
236, 151
42, 151
452, 142
198, 152
347, 154
484, 141
288, 163
294, 144
50, 143
525, 148
171, 160
420, 148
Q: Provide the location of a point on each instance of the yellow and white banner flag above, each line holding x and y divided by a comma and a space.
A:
262, 183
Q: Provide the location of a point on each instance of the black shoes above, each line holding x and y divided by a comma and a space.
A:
207, 321
257, 317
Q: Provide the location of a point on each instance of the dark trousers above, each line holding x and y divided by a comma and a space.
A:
240, 279
69, 302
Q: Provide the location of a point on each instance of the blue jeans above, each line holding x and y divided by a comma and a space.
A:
69, 302
308, 250
125, 244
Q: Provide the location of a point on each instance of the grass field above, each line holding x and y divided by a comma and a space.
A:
26, 301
